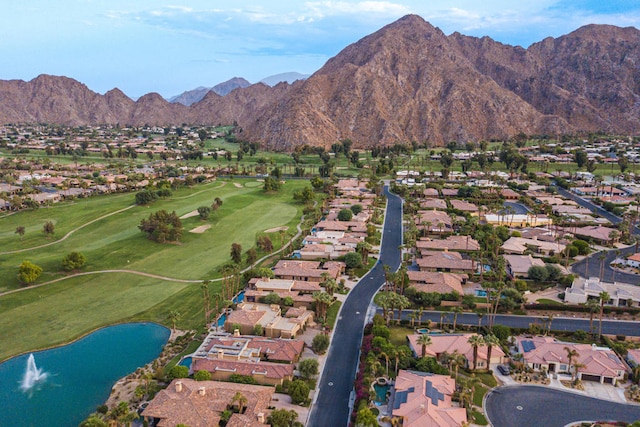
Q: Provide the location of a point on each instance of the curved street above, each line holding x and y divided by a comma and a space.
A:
536, 406
333, 400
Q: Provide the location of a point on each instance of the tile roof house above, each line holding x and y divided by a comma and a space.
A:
595, 232
518, 265
452, 243
464, 206
274, 325
439, 204
600, 364
450, 343
308, 271
519, 245
434, 221
221, 345
443, 283
201, 403
450, 262
422, 399
263, 372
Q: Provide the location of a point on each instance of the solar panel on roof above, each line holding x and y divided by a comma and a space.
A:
528, 345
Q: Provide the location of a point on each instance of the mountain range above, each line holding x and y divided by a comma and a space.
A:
406, 82
195, 95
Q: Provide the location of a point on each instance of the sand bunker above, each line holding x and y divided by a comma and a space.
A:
201, 229
237, 185
274, 230
190, 214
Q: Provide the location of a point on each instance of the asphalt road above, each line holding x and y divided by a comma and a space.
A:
570, 324
518, 208
332, 406
594, 259
535, 406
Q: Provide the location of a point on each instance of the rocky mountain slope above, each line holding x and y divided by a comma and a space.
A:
406, 82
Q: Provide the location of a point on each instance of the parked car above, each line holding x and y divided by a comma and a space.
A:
504, 370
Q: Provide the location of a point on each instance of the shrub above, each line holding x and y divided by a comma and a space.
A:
178, 371
73, 261
345, 215
320, 343
202, 376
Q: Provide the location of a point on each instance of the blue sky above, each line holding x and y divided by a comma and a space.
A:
142, 46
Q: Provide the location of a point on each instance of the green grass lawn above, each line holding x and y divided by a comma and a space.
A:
56, 313
332, 313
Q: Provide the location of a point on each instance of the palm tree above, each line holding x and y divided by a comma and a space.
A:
490, 340
613, 279
571, 354
456, 311
401, 302
322, 300
413, 316
593, 305
174, 316
602, 257
475, 341
207, 301
241, 400
386, 359
472, 383
548, 324
480, 316
420, 312
424, 340
604, 298
456, 360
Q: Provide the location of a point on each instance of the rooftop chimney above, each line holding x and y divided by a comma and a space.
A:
423, 408
202, 391
261, 418
236, 332
178, 386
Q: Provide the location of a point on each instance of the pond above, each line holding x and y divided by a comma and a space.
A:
63, 385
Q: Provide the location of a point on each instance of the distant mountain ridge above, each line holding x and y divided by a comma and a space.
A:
190, 97
406, 82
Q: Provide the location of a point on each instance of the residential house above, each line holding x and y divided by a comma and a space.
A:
518, 265
517, 220
633, 260
201, 404
274, 325
424, 399
597, 233
308, 271
464, 206
434, 221
450, 262
430, 204
458, 343
620, 294
599, 364
452, 243
520, 245
442, 283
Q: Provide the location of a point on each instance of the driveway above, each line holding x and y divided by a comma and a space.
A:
536, 406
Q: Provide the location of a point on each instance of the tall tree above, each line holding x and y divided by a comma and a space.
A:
475, 341
604, 298
490, 341
424, 340
236, 252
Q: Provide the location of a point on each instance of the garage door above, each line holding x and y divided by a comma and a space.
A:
586, 377
608, 380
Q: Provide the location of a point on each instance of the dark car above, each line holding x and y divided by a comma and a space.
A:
504, 370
